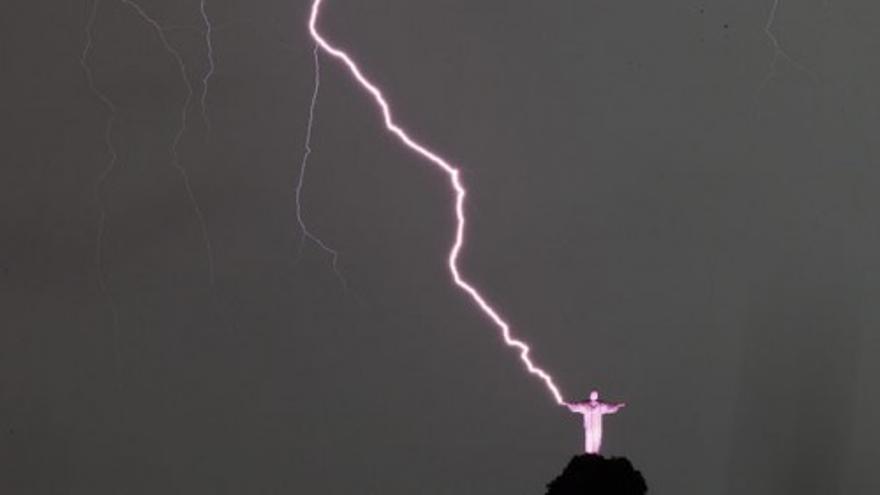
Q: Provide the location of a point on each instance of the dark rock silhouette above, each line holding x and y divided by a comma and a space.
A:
590, 474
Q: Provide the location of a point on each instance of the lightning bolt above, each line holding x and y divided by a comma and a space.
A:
306, 233
175, 156
459, 191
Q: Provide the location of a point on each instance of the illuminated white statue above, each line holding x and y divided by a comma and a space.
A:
593, 410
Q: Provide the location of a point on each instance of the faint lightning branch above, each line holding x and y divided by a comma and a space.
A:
460, 192
778, 51
175, 160
209, 43
99, 184
306, 233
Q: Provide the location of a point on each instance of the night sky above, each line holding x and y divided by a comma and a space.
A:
665, 205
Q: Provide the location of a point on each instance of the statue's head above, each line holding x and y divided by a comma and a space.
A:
594, 396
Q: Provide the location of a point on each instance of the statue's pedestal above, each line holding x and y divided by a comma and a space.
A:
590, 474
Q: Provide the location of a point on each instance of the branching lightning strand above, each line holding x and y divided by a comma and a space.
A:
209, 44
175, 160
102, 177
306, 233
778, 51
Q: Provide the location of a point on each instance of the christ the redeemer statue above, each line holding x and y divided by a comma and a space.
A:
593, 410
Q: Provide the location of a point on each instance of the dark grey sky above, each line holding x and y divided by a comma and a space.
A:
664, 206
